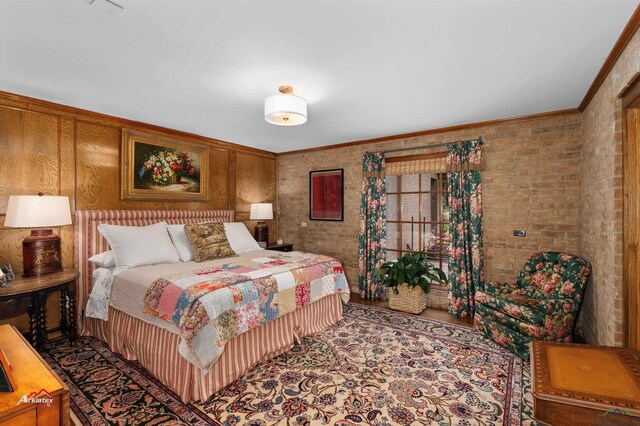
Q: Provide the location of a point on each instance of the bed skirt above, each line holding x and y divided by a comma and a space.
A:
157, 349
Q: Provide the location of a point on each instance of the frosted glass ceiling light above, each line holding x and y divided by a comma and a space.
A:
285, 109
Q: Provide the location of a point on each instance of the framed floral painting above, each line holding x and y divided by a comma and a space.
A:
158, 168
326, 195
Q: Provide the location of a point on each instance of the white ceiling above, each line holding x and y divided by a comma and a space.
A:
368, 68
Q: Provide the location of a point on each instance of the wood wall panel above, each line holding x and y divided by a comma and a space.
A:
255, 180
32, 136
67, 179
10, 131
57, 149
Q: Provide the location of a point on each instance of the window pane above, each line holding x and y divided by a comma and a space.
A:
410, 236
430, 238
393, 235
392, 183
444, 209
410, 207
429, 208
392, 207
446, 239
410, 183
444, 267
429, 181
392, 255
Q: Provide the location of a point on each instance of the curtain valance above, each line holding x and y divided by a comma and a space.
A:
416, 164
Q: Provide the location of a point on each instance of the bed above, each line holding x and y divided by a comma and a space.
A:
154, 343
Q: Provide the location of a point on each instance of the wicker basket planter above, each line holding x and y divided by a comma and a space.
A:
411, 300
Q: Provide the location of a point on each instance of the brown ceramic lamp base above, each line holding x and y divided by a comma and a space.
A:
41, 253
262, 232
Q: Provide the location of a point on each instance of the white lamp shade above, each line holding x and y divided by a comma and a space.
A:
261, 211
285, 110
36, 211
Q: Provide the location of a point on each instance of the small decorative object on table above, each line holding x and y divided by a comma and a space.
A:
410, 277
7, 270
5, 279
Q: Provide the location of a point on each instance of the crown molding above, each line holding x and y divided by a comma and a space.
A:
627, 34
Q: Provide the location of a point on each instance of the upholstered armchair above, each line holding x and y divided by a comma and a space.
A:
541, 305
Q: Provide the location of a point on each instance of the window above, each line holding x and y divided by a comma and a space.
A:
418, 216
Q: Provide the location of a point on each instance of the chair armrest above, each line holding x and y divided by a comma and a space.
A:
501, 288
557, 305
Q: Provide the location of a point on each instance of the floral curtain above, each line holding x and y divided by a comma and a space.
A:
464, 162
373, 216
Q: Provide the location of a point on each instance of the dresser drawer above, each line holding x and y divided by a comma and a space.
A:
26, 418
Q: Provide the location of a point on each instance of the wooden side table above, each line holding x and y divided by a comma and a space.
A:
280, 247
583, 385
39, 397
36, 289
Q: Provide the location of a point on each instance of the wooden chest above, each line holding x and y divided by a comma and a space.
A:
39, 397
584, 385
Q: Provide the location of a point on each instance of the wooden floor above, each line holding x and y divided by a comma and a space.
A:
436, 314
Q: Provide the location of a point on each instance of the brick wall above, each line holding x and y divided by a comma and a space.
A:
602, 316
531, 182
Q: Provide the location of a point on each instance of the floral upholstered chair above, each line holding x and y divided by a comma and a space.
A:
541, 305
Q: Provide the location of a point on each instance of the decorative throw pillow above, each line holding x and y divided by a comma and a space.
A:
208, 241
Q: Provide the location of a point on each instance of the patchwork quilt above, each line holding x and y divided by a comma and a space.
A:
211, 305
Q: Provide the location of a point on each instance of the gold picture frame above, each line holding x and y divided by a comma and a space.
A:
158, 168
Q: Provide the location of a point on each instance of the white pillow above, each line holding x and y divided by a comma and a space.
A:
239, 237
106, 259
181, 241
139, 245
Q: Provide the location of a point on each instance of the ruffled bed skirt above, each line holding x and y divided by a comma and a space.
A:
157, 349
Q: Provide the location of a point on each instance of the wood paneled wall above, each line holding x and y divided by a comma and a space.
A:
59, 150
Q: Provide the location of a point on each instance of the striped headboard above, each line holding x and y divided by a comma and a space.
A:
88, 241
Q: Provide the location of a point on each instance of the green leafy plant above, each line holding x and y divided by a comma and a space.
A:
412, 269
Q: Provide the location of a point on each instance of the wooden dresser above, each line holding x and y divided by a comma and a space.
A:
585, 385
32, 379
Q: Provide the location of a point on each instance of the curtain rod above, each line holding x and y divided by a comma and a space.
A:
435, 145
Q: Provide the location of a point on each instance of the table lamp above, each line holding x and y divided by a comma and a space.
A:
41, 249
261, 212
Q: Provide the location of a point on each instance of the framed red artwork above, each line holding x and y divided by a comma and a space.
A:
326, 195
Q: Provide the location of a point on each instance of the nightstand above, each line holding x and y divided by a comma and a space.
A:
36, 289
280, 247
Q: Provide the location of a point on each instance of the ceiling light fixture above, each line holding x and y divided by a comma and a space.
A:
285, 109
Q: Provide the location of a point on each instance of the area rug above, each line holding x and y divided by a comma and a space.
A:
376, 367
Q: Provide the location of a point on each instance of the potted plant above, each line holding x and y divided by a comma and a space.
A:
410, 277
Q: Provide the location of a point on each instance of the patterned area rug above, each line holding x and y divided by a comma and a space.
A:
376, 367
